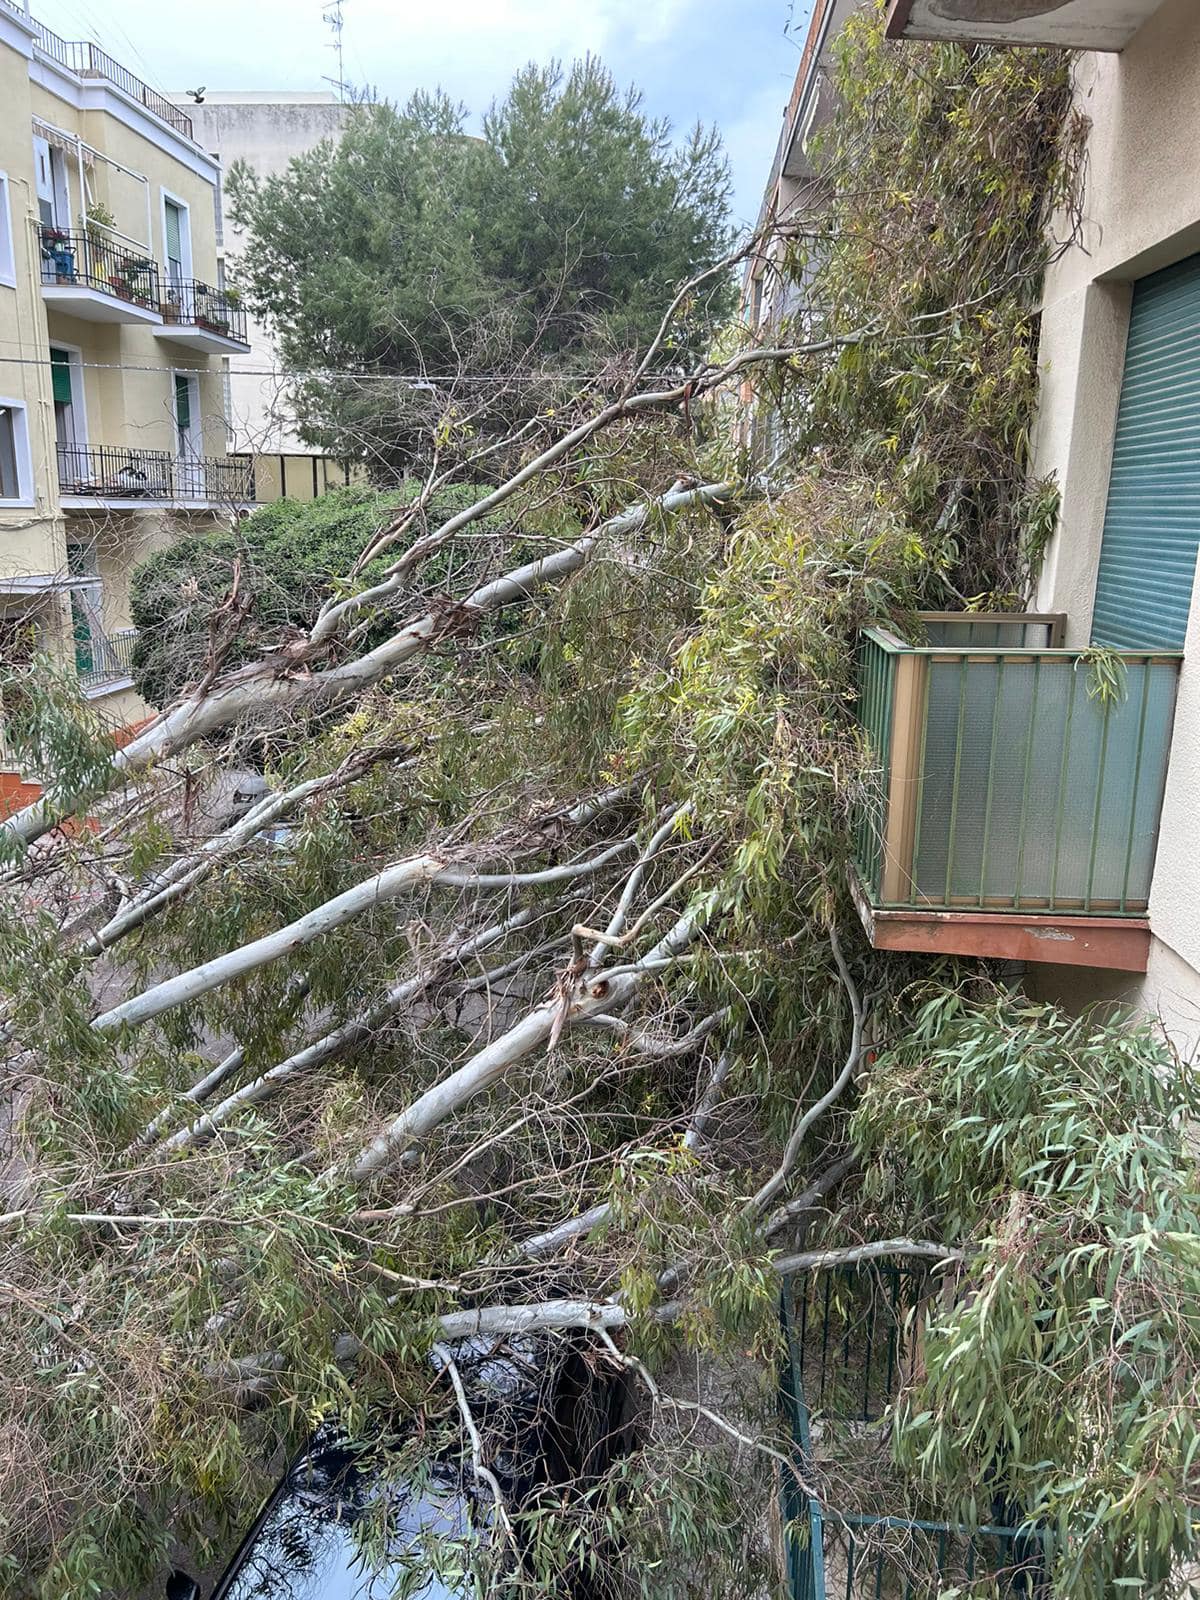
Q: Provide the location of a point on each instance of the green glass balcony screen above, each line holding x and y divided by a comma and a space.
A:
1004, 783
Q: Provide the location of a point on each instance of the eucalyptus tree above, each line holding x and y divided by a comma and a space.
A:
525, 995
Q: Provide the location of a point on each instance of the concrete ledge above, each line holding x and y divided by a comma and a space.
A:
1121, 944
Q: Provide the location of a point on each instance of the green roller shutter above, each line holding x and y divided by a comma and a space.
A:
1152, 522
60, 374
183, 405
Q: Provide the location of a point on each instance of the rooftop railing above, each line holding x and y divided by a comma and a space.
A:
1011, 774
200, 305
87, 60
92, 262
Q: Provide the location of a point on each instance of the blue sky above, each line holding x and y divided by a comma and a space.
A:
726, 61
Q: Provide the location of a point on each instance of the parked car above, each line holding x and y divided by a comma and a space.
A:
553, 1415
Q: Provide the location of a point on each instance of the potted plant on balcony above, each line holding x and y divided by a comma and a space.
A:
169, 308
100, 223
57, 252
136, 273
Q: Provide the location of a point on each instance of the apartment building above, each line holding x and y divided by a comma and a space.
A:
114, 337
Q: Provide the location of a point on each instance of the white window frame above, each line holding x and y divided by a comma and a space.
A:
78, 390
185, 234
8, 258
20, 416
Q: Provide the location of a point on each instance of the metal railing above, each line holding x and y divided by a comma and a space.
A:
199, 305
108, 658
98, 263
114, 472
87, 60
1009, 777
840, 1554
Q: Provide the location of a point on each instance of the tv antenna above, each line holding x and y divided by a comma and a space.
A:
332, 17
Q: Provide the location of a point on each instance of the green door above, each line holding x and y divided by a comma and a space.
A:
1152, 521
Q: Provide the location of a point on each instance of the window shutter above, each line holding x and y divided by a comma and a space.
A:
174, 233
183, 404
60, 369
1152, 520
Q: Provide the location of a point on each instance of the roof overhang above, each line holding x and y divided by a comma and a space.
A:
1068, 24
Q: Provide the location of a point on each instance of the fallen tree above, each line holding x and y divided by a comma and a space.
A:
529, 998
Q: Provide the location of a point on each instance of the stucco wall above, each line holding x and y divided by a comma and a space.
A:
1141, 212
264, 130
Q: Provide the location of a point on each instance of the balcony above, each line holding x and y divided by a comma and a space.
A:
1014, 809
199, 317
104, 662
113, 477
98, 279
1062, 24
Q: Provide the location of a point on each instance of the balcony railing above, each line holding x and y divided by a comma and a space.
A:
105, 658
113, 472
199, 305
845, 1338
98, 263
1006, 780
87, 60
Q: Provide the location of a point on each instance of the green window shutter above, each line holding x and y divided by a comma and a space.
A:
1152, 521
60, 372
183, 404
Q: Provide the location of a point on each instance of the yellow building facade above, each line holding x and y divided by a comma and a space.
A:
115, 333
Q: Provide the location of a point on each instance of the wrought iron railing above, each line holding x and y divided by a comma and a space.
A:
199, 305
115, 472
108, 658
87, 60
99, 263
1010, 776
844, 1343
112, 472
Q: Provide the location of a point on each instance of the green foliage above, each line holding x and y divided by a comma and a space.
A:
287, 558
945, 166
1062, 1373
409, 247
54, 734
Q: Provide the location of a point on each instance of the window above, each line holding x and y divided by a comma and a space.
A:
189, 436
54, 205
15, 473
8, 262
177, 243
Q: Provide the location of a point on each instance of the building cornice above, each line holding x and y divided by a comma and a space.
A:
100, 95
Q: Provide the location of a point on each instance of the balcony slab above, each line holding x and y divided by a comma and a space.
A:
1064, 24
93, 305
189, 337
1121, 944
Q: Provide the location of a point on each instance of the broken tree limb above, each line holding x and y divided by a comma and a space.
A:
253, 694
186, 873
339, 1040
392, 882
536, 1028
779, 1177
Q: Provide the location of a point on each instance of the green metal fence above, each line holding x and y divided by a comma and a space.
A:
1003, 780
845, 1347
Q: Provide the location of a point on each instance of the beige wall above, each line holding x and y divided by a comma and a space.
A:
1141, 212
126, 371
